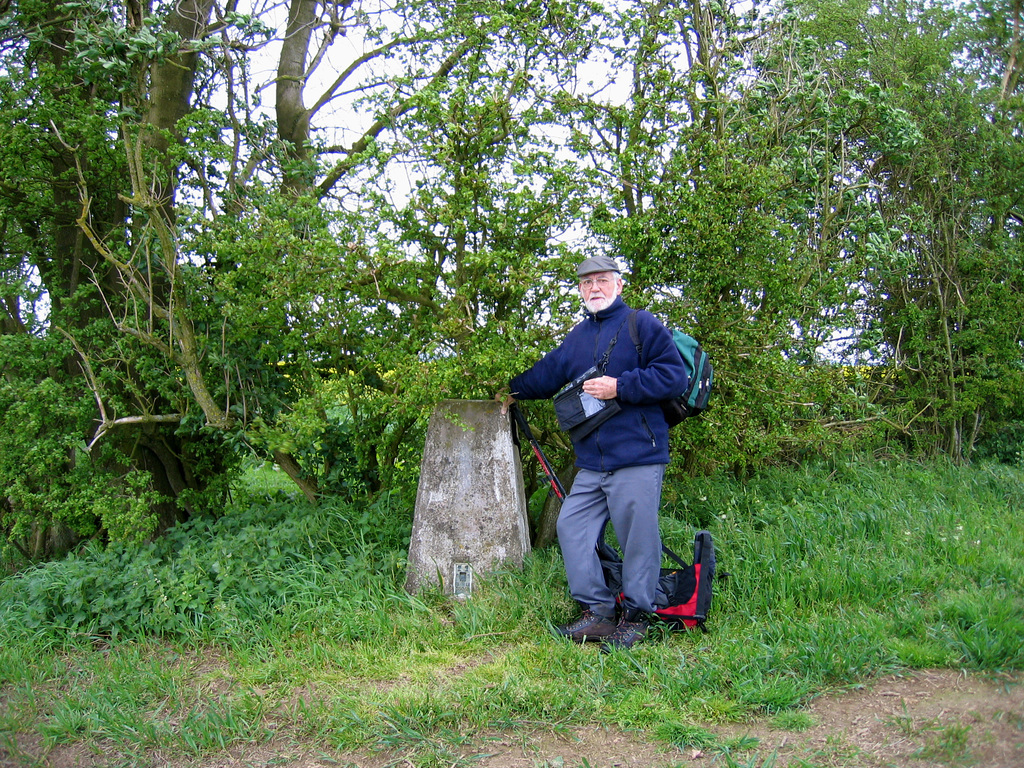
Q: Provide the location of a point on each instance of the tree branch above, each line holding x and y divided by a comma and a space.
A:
106, 426
397, 111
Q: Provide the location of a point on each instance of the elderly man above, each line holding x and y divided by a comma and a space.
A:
621, 462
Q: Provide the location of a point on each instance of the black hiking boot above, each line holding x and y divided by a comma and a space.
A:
590, 627
631, 630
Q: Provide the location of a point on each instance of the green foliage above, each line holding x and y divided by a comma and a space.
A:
41, 422
109, 53
934, 238
50, 476
265, 562
800, 186
723, 230
1005, 444
878, 539
980, 624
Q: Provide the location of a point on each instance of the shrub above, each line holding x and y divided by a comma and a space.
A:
261, 561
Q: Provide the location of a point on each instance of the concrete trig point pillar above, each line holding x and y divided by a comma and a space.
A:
470, 503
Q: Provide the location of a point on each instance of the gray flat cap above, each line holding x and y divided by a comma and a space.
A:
597, 264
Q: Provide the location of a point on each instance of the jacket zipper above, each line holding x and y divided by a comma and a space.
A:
650, 432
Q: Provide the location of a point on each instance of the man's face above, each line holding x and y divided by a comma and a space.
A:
599, 289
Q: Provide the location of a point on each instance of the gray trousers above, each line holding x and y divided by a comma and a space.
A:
630, 498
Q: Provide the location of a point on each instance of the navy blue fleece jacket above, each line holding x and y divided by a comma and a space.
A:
637, 434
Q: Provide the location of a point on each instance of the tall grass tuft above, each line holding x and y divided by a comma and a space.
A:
283, 623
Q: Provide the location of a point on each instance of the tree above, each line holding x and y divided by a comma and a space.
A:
691, 183
941, 159
223, 275
221, 240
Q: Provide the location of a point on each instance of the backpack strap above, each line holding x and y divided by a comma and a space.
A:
634, 334
606, 548
679, 561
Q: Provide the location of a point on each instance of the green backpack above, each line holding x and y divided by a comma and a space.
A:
694, 400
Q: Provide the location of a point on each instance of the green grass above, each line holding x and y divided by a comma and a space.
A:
286, 624
943, 743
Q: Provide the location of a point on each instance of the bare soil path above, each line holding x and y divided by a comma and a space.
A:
928, 719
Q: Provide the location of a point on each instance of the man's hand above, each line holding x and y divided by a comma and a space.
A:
505, 398
603, 387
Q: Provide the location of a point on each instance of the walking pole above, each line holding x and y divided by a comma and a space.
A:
524, 428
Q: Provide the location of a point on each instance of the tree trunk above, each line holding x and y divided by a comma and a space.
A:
171, 83
307, 485
292, 115
546, 527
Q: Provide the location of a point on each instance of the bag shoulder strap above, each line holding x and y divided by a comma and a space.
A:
682, 563
634, 334
603, 362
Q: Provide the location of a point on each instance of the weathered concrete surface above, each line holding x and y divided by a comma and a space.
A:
470, 502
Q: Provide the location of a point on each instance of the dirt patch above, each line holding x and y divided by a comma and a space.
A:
924, 720
934, 718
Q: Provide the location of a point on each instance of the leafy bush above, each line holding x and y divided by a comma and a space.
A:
262, 562
42, 423
1005, 445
